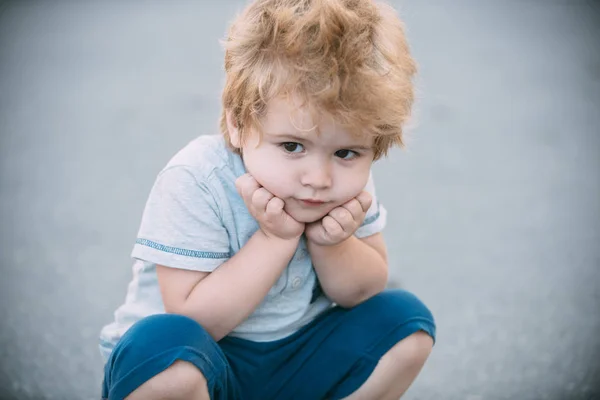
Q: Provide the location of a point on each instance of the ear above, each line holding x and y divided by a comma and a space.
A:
232, 128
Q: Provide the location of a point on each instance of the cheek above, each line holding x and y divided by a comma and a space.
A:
349, 192
272, 176
352, 186
276, 183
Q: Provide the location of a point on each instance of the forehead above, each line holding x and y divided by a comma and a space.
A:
290, 113
291, 116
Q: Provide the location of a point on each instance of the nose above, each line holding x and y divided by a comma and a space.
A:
317, 176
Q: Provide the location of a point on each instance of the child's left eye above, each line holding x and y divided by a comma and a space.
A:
346, 154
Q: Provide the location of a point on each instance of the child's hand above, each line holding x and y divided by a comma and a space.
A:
268, 210
340, 223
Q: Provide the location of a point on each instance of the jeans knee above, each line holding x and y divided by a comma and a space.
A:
164, 351
398, 305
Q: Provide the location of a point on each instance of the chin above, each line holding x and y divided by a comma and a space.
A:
306, 217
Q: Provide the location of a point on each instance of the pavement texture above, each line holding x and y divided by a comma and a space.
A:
494, 207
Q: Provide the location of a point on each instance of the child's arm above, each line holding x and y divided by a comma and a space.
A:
350, 269
222, 299
353, 270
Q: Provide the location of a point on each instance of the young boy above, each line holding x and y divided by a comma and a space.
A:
260, 266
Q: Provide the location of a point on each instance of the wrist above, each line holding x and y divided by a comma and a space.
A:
314, 246
278, 241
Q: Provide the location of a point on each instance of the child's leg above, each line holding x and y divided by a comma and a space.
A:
396, 370
403, 354
168, 356
181, 381
371, 351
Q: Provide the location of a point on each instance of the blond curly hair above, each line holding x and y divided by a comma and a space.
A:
349, 58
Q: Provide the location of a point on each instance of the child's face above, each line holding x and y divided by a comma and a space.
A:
312, 173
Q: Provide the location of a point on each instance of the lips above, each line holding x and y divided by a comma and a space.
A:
312, 202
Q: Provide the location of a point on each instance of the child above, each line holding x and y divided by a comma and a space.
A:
260, 265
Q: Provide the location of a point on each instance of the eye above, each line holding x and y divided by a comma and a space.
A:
346, 154
292, 147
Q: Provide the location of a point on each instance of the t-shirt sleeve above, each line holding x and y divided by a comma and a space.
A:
376, 217
181, 225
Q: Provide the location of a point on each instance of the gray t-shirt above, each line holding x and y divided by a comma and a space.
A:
195, 219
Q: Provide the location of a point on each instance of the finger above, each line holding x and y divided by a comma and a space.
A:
260, 198
344, 218
355, 209
332, 227
247, 186
365, 199
275, 207
240, 183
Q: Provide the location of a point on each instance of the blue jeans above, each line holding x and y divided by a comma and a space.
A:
331, 357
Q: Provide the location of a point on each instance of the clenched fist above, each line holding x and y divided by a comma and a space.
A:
340, 223
268, 210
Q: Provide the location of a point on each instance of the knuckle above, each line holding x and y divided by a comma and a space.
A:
255, 195
339, 213
344, 216
259, 196
331, 225
354, 208
277, 202
358, 206
271, 214
272, 206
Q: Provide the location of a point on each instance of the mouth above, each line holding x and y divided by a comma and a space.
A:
312, 202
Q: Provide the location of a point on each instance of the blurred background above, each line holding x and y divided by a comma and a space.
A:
494, 207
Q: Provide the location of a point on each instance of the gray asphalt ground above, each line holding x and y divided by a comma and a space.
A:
494, 208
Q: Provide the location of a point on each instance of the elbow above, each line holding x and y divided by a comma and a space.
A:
351, 301
364, 292
378, 283
359, 296
173, 308
206, 322
354, 299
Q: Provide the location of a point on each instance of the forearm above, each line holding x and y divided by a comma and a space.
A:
349, 272
228, 295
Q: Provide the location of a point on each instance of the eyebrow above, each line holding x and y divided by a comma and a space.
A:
296, 138
290, 136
